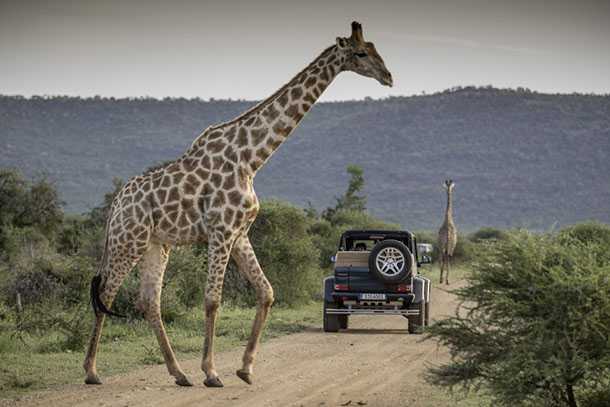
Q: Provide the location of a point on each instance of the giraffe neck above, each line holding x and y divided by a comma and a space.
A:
449, 211
257, 134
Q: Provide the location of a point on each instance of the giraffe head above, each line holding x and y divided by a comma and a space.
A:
362, 58
449, 184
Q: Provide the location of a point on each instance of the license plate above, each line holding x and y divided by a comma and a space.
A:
368, 296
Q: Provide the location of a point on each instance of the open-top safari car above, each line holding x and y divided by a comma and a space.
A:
376, 273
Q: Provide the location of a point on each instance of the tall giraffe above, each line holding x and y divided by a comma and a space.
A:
447, 234
207, 196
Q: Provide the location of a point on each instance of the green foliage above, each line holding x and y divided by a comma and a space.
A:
186, 274
25, 204
350, 200
488, 233
597, 235
286, 252
533, 327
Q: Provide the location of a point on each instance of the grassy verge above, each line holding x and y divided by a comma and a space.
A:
37, 362
459, 271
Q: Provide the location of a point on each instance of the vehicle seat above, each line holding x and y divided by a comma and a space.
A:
360, 247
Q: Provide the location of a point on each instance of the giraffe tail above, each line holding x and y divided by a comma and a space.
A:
96, 302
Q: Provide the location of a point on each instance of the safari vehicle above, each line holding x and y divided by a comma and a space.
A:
376, 273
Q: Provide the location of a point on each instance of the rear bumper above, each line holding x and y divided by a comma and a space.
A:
420, 293
350, 295
371, 311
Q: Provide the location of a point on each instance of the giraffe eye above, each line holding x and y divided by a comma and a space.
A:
360, 54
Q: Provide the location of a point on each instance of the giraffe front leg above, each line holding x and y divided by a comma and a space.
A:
248, 266
218, 257
152, 269
447, 271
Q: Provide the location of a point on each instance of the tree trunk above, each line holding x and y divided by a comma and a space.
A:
18, 303
571, 399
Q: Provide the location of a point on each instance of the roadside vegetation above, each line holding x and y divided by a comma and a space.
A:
534, 325
47, 260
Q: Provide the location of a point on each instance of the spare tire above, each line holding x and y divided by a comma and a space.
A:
390, 261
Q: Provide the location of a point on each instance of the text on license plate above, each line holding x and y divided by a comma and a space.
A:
370, 296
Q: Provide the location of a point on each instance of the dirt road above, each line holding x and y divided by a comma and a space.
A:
374, 363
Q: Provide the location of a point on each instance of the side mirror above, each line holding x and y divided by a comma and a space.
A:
333, 258
424, 248
425, 259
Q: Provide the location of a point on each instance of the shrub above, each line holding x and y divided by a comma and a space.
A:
286, 252
488, 233
597, 235
533, 326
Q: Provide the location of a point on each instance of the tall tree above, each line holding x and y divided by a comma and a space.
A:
352, 199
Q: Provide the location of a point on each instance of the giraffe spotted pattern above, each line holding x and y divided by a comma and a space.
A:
207, 196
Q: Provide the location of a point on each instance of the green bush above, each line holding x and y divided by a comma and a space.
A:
595, 234
488, 233
533, 327
286, 252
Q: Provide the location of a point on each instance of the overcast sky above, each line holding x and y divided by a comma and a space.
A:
248, 49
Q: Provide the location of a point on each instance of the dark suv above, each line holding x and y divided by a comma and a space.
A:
376, 273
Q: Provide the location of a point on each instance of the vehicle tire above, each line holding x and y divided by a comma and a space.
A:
331, 322
343, 321
390, 261
417, 322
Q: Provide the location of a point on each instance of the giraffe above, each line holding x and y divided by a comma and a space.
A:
447, 234
207, 196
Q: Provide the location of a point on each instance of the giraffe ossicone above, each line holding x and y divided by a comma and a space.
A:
207, 195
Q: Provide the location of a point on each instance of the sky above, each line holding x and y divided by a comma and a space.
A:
247, 49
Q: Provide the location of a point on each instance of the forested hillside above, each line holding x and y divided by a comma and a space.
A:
518, 158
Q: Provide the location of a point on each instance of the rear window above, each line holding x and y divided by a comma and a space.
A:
360, 244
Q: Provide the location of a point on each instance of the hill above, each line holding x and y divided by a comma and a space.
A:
518, 158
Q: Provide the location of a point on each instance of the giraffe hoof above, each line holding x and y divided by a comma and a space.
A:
245, 376
94, 379
183, 381
213, 382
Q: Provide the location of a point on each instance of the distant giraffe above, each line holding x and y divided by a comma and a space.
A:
207, 196
447, 234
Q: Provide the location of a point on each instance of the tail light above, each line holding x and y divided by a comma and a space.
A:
403, 288
341, 287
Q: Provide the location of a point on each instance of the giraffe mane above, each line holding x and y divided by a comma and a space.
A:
264, 103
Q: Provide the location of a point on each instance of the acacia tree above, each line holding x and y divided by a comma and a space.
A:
28, 204
351, 200
533, 325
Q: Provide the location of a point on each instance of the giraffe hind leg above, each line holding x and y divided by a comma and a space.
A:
152, 269
248, 266
114, 270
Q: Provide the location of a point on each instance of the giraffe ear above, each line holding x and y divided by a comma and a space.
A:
341, 43
357, 36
